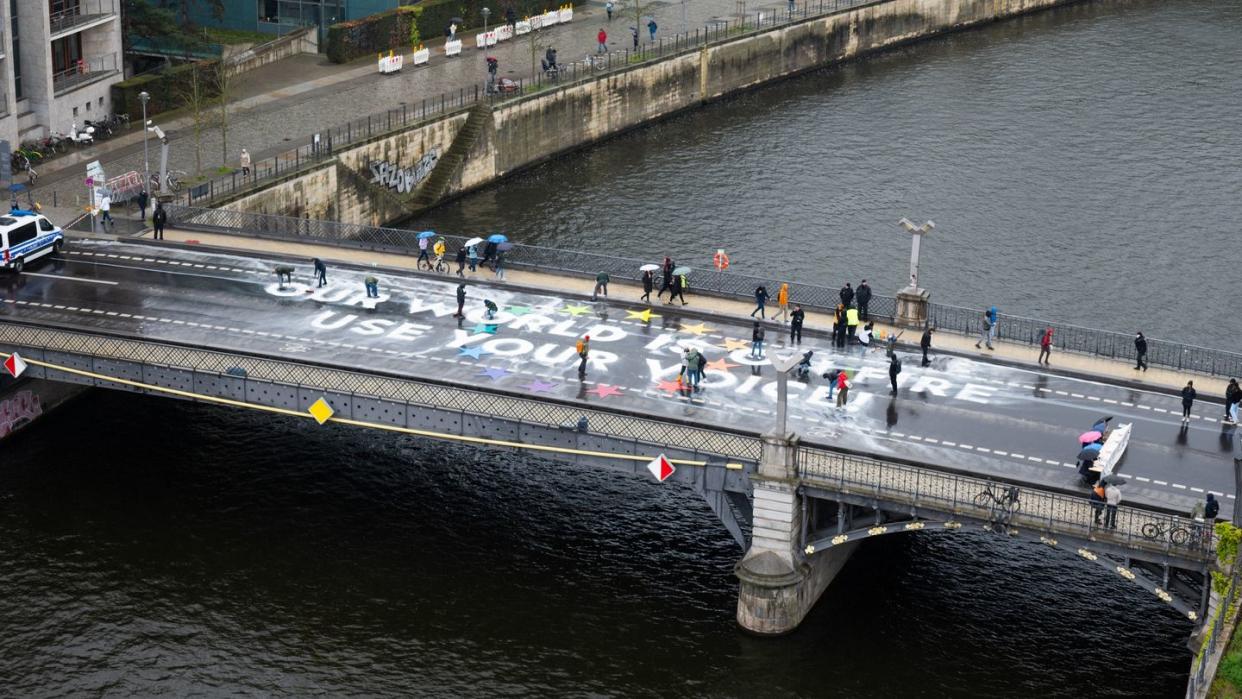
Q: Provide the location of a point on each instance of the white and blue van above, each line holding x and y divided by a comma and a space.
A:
25, 236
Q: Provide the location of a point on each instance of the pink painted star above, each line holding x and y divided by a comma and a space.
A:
604, 390
670, 386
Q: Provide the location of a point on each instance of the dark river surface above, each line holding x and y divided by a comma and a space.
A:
1081, 165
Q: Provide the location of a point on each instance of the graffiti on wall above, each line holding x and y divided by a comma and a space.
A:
18, 410
404, 180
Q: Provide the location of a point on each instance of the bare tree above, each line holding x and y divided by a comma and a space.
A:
195, 94
222, 81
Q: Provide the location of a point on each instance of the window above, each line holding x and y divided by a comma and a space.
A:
101, 103
46, 225
75, 112
66, 53
17, 53
22, 235
88, 106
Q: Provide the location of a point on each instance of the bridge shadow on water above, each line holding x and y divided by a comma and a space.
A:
158, 547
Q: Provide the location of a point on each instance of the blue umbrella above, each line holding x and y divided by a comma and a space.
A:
498, 238
426, 234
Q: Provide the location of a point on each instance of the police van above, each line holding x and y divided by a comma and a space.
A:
25, 236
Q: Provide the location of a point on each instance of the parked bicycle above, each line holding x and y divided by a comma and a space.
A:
1166, 531
1001, 501
173, 180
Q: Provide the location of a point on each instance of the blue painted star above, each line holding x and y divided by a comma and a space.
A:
486, 328
475, 352
538, 386
494, 373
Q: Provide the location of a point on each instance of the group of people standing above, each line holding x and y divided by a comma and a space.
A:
674, 284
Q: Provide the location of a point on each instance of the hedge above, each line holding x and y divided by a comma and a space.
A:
165, 87
391, 30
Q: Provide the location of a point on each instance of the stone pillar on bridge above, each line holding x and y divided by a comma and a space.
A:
779, 583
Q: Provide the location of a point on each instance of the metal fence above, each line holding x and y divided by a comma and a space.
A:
83, 71
324, 143
1038, 510
1067, 338
209, 363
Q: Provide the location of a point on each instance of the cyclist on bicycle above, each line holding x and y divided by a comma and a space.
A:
439, 249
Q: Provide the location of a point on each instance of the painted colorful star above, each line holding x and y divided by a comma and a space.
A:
495, 373
699, 329
730, 344
475, 352
520, 310
670, 386
575, 310
603, 390
644, 315
489, 328
538, 386
721, 364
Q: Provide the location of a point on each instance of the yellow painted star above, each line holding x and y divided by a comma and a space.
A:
730, 344
574, 310
699, 329
644, 315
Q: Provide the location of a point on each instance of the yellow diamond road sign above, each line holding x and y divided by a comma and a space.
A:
321, 411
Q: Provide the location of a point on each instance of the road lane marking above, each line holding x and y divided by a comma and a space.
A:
69, 279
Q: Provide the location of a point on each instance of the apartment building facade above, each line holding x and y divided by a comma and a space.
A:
58, 61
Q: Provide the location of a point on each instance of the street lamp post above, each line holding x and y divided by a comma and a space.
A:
144, 97
486, 13
912, 300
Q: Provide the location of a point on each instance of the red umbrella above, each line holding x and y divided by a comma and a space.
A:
1088, 437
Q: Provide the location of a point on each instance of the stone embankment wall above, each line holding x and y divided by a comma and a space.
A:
523, 132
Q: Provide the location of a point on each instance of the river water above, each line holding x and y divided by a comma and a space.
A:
1078, 165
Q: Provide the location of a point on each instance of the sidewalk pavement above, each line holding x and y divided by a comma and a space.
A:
279, 106
1117, 372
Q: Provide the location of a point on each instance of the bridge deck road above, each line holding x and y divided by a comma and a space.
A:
958, 412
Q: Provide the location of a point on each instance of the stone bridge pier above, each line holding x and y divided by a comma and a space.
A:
779, 582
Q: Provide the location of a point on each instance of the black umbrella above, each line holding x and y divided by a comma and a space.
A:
1113, 479
1088, 454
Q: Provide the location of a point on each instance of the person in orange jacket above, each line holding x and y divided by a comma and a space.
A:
782, 302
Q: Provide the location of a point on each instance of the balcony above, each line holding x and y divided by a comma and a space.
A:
68, 17
84, 72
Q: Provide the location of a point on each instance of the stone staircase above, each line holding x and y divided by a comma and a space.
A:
452, 161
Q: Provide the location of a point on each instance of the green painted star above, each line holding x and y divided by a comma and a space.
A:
575, 310
520, 310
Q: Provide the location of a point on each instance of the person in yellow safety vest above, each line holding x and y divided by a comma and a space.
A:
851, 322
782, 302
721, 260
439, 249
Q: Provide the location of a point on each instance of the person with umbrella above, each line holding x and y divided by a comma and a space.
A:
473, 253
678, 288
648, 283
424, 242
494, 241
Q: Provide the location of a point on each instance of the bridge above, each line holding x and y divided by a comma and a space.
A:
215, 326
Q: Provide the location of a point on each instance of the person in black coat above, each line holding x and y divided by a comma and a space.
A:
1188, 400
1140, 352
847, 295
925, 343
795, 324
648, 284
159, 218
863, 297
894, 368
461, 301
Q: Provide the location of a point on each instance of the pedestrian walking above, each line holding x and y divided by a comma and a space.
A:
601, 285
608, 7
847, 294
461, 301
851, 323
1045, 347
1112, 498
321, 273
761, 299
142, 201
1096, 499
105, 207
701, 369
1140, 351
756, 341
244, 161
461, 262
584, 349
863, 298
489, 252
985, 330
793, 5
843, 389
371, 284
692, 367
651, 28
782, 302
993, 324
634, 35
602, 38
925, 344
678, 289
648, 285
423, 244
158, 218
894, 368
666, 279
795, 325
1233, 395
499, 265
473, 253
1211, 508
1188, 400
684, 371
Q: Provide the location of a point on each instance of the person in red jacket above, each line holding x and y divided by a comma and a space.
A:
602, 37
1045, 347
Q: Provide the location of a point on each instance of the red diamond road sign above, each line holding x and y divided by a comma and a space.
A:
660, 468
16, 365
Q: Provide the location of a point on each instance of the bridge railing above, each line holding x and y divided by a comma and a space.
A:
1038, 510
734, 285
340, 383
